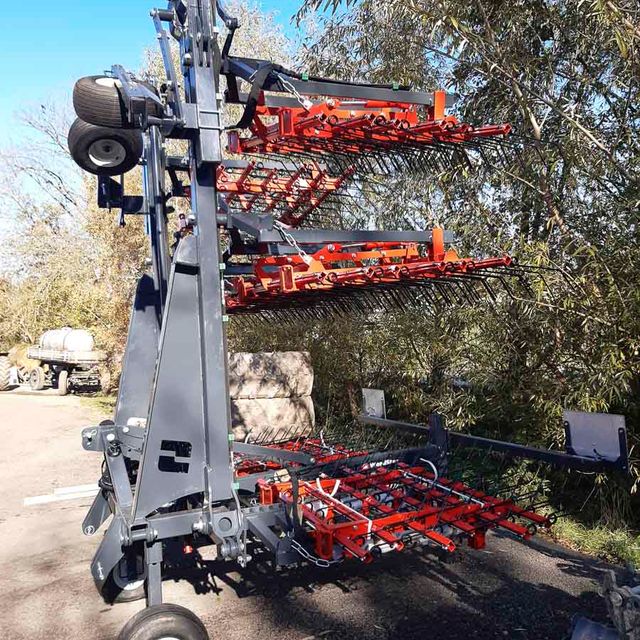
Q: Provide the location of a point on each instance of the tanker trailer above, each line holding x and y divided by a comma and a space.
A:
66, 359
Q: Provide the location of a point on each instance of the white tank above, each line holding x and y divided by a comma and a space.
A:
54, 339
78, 340
67, 339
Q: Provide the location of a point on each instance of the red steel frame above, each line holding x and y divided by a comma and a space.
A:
361, 266
348, 126
377, 507
295, 194
314, 447
348, 512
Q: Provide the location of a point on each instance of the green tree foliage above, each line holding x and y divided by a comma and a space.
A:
565, 75
64, 261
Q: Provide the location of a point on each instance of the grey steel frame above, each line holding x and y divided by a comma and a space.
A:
171, 430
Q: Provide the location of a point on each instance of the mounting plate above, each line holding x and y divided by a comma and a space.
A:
602, 436
373, 403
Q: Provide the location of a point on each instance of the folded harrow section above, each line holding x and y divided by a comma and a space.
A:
379, 136
367, 277
291, 194
374, 509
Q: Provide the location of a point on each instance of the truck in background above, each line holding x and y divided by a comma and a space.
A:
64, 359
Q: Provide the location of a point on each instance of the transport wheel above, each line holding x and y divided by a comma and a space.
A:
102, 150
164, 622
98, 100
126, 581
36, 378
5, 373
63, 382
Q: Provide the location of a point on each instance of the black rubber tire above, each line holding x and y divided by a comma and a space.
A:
164, 621
82, 136
63, 382
5, 366
37, 379
98, 100
113, 593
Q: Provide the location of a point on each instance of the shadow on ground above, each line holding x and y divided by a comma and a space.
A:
526, 592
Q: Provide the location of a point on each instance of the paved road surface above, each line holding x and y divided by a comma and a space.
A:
525, 592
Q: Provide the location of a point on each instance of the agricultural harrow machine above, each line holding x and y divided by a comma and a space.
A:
261, 239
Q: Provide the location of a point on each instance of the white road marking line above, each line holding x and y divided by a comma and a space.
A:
60, 496
80, 488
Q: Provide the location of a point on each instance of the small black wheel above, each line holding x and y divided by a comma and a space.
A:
37, 378
164, 621
98, 100
126, 580
63, 382
102, 150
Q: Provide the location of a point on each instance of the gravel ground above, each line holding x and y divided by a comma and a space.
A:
511, 590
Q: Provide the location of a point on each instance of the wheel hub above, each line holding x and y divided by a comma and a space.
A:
107, 153
108, 82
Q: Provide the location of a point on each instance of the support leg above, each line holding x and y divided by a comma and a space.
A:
153, 560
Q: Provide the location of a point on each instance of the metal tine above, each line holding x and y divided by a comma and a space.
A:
451, 289
262, 436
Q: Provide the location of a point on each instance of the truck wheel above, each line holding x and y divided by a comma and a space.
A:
63, 382
105, 380
98, 100
164, 621
36, 378
5, 373
102, 150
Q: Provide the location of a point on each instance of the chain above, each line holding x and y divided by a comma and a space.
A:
291, 241
304, 102
319, 562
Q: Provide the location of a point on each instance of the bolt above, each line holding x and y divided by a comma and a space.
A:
125, 429
199, 527
111, 437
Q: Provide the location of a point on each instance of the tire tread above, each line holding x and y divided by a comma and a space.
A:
159, 610
99, 105
5, 366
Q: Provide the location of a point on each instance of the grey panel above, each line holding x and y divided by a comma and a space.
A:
594, 435
172, 465
108, 554
140, 356
373, 403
